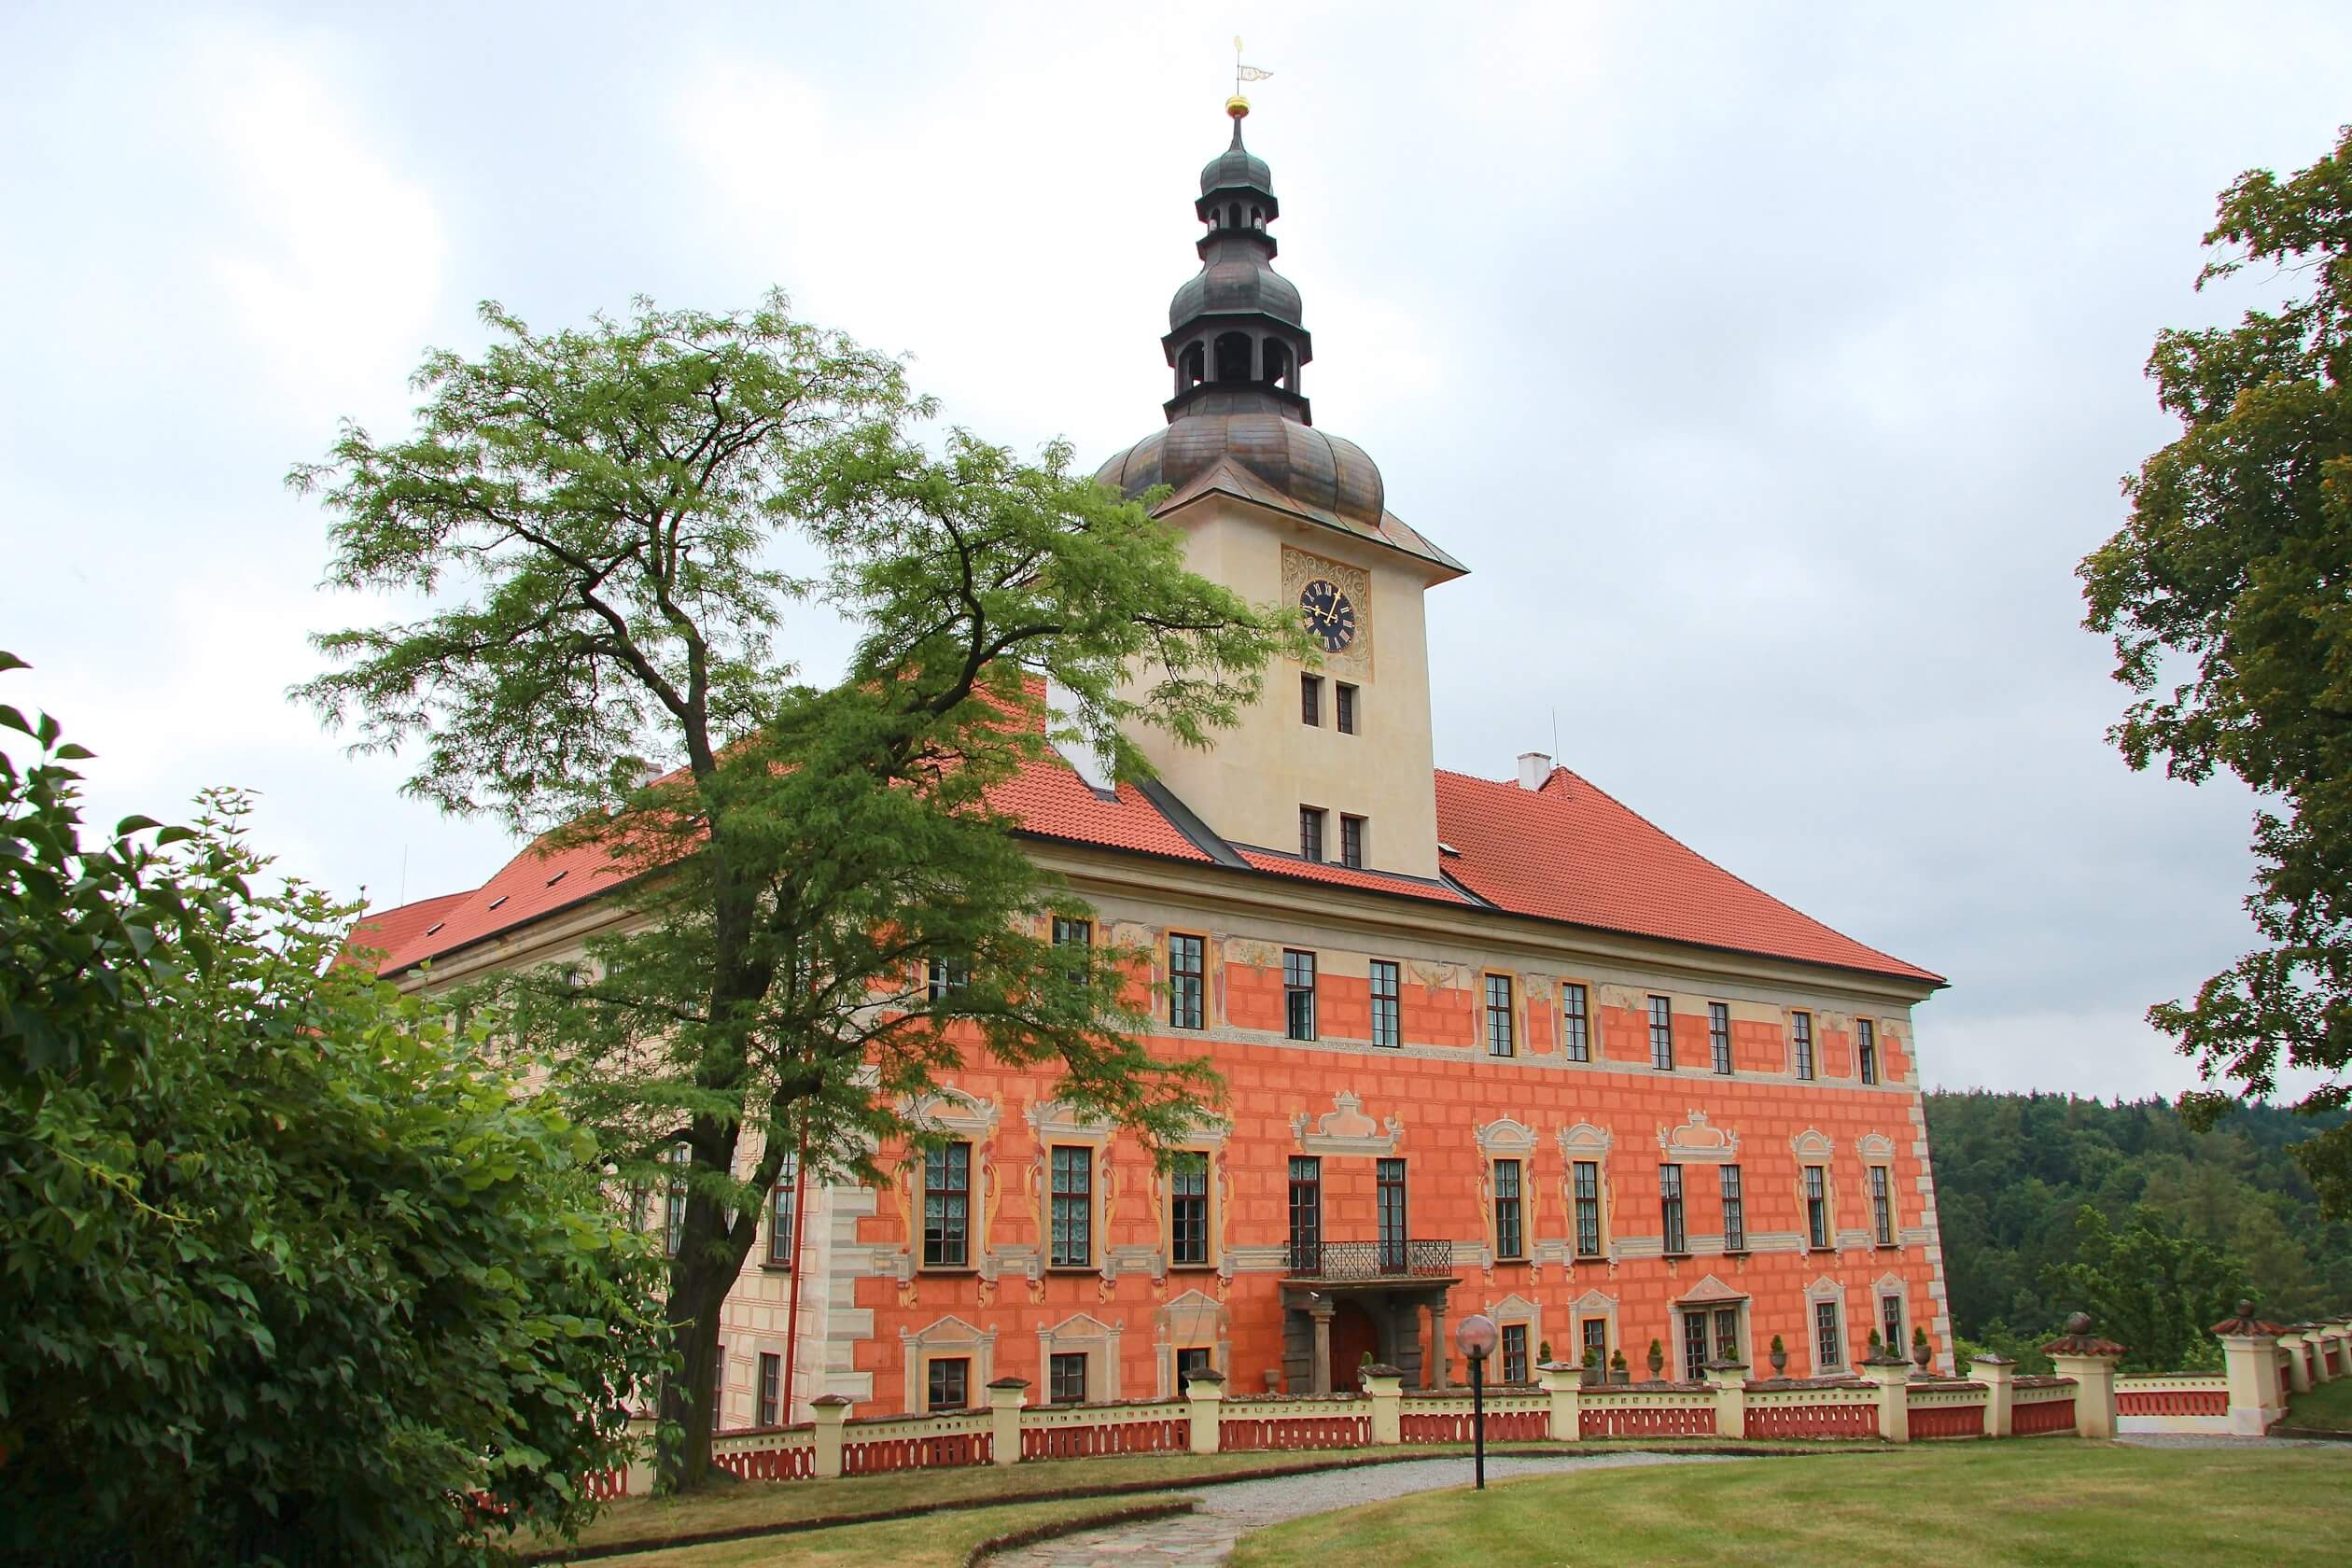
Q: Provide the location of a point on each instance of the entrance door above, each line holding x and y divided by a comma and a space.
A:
1352, 1337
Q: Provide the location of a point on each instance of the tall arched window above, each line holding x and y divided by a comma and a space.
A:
1278, 363
1190, 365
1233, 356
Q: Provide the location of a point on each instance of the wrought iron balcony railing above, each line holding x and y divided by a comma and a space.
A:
1342, 1261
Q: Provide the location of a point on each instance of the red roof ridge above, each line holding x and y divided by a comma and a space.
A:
1560, 806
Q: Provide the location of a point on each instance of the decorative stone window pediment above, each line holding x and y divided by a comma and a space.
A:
952, 1110
1710, 1292
1696, 1141
1812, 1145
1875, 1146
1507, 1139
1584, 1141
1345, 1129
1053, 1119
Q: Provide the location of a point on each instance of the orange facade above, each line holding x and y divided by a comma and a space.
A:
1447, 1107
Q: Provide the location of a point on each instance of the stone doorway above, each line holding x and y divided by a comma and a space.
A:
1354, 1338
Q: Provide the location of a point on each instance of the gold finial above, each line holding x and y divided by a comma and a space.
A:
1236, 105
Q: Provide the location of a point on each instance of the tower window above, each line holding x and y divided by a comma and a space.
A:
1233, 215
1310, 833
1352, 841
1192, 368
1233, 356
1346, 705
1310, 699
1278, 362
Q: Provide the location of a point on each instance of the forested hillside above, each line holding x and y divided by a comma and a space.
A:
2180, 1221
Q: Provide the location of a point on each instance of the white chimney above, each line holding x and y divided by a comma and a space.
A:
1534, 767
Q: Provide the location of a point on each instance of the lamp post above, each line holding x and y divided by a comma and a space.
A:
1477, 1336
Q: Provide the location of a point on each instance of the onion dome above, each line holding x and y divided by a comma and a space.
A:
1305, 464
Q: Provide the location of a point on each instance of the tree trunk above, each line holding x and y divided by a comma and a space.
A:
707, 1264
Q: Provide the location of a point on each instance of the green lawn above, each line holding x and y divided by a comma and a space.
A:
2044, 1502
2326, 1408
939, 1541
754, 1503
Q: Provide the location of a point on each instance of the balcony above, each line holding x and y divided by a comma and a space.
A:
1364, 1262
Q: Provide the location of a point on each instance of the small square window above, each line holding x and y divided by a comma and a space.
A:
1066, 1379
950, 1383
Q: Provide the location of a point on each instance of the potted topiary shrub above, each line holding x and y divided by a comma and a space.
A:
1592, 1373
1543, 1353
1779, 1357
1878, 1346
1922, 1351
1657, 1360
1617, 1374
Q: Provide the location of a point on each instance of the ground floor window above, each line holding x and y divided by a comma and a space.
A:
771, 1390
1891, 1322
1066, 1379
1191, 1362
1515, 1352
1828, 1339
1708, 1331
1596, 1341
950, 1383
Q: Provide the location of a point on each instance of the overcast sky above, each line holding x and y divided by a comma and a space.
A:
1771, 367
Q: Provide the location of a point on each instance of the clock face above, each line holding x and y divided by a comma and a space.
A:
1331, 617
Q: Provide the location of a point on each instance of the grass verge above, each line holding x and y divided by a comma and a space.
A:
766, 1507
2328, 1408
2049, 1501
946, 1541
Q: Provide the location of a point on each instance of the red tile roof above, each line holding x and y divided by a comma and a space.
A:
1349, 876
383, 932
1571, 851
539, 881
1568, 853
1052, 802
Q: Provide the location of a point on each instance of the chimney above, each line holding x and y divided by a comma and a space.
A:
1534, 767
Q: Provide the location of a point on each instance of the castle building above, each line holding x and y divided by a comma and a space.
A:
1499, 1047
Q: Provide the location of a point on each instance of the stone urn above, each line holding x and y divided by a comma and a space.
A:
1922, 1351
1656, 1361
1778, 1356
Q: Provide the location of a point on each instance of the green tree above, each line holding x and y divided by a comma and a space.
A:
2228, 599
287, 1267
833, 907
2150, 1287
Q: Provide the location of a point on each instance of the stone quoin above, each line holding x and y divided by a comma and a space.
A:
1491, 1046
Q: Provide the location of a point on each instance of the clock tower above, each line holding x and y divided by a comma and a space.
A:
1334, 761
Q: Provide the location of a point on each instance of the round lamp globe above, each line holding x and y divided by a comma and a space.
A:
1477, 1336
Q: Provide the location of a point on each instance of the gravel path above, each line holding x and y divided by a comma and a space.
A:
1206, 1537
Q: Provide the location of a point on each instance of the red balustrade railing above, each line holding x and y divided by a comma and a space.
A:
877, 1456
1502, 1426
778, 1464
2043, 1417
1947, 1420
1845, 1420
1172, 1435
1646, 1420
1249, 1434
2172, 1402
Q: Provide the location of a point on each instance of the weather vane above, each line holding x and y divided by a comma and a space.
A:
1245, 73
